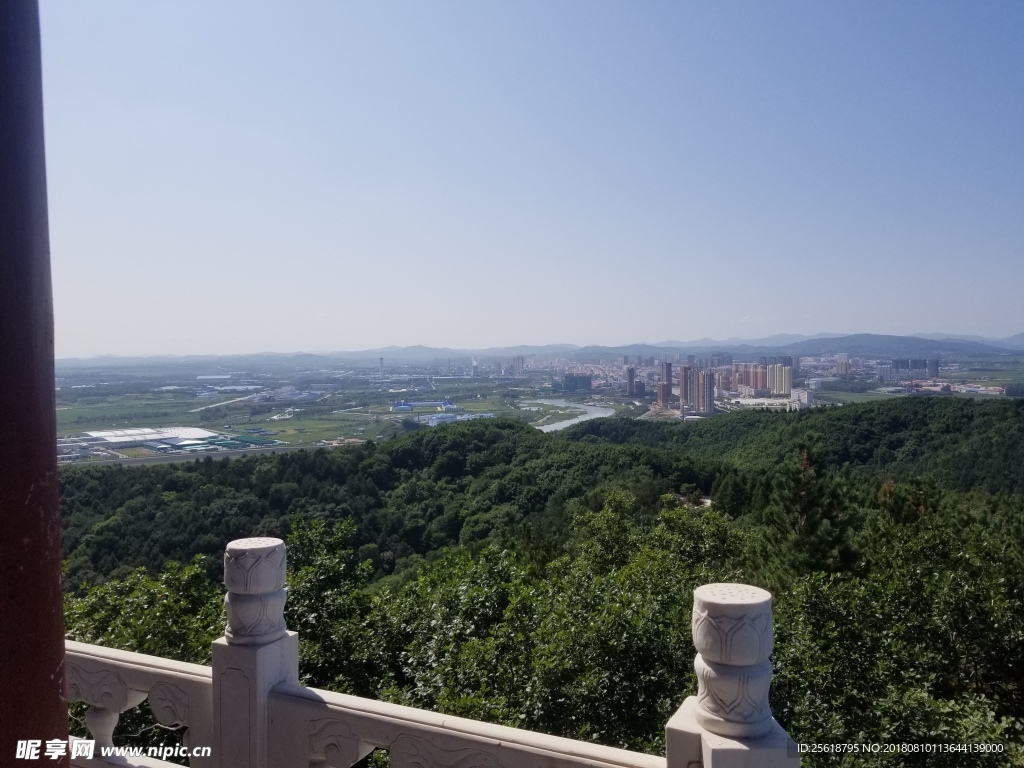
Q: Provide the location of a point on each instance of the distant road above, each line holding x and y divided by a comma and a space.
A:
176, 457
226, 402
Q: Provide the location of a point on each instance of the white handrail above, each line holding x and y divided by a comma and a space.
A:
351, 726
112, 681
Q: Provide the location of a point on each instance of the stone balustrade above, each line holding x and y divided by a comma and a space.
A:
112, 681
249, 708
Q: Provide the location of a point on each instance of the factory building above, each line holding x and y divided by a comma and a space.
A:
168, 437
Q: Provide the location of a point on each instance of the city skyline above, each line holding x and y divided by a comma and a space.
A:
321, 177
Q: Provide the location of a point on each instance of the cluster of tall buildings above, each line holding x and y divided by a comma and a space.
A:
700, 379
768, 376
904, 369
697, 389
577, 382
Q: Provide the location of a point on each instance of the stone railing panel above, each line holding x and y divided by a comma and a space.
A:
342, 729
112, 681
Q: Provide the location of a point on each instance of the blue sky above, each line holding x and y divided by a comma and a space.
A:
230, 177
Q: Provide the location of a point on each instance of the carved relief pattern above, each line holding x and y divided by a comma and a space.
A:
332, 741
731, 639
733, 634
255, 566
416, 752
255, 571
107, 695
741, 696
169, 704
255, 614
102, 688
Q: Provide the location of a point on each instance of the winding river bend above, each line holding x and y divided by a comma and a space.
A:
587, 412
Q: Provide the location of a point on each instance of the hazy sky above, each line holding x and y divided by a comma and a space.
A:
248, 176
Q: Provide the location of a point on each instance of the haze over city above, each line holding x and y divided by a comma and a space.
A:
281, 177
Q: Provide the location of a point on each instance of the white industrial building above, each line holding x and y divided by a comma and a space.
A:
174, 437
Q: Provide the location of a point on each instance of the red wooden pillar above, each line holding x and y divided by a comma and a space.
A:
32, 701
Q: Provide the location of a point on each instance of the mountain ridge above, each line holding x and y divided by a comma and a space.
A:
862, 345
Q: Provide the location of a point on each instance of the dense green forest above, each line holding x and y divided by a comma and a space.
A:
489, 570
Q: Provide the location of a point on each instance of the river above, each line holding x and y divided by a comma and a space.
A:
587, 412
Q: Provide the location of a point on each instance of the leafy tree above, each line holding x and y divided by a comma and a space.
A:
326, 606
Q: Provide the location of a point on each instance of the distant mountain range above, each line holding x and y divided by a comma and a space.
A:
859, 345
777, 340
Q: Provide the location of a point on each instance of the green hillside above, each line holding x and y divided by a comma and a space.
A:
960, 444
488, 570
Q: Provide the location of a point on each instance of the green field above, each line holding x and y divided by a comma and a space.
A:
995, 375
312, 431
343, 415
124, 411
307, 425
852, 397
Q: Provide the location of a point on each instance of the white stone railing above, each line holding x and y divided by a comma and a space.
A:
250, 710
340, 730
112, 681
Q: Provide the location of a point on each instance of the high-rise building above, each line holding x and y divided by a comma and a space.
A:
759, 377
684, 386
690, 361
665, 385
704, 395
900, 369
780, 379
904, 370
576, 382
631, 382
664, 394
701, 392
933, 369
640, 388
741, 374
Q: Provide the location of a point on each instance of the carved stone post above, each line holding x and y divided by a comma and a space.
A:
256, 653
729, 723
